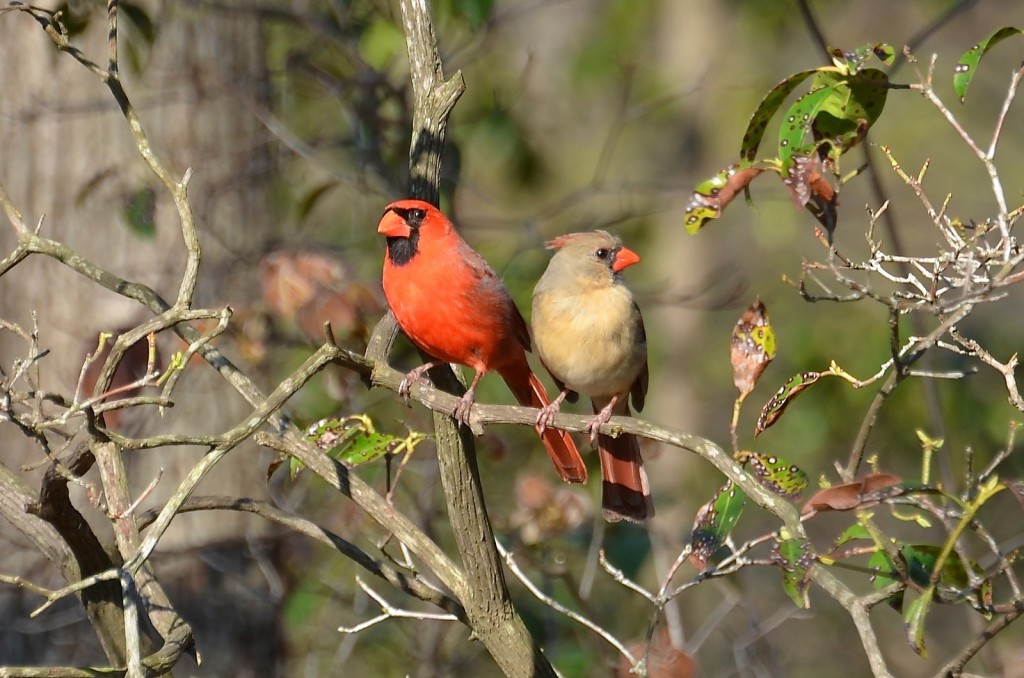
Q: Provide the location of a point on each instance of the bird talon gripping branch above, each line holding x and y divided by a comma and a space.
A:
405, 387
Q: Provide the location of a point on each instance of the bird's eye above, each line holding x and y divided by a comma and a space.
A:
602, 253
416, 215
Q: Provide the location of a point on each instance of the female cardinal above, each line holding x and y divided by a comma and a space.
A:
452, 305
590, 336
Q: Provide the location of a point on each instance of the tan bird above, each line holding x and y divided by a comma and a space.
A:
589, 334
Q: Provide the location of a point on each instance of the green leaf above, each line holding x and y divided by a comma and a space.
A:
913, 620
331, 434
855, 104
921, 560
852, 533
367, 447
715, 521
795, 557
884, 573
138, 212
797, 125
769, 105
778, 475
778, 403
884, 570
354, 440
968, 64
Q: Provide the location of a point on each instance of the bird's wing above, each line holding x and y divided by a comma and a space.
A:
639, 389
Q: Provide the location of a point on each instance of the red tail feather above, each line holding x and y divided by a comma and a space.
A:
625, 490
559, 444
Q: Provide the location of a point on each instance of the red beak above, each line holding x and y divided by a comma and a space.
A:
624, 258
393, 225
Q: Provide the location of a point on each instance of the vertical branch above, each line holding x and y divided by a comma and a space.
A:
488, 605
434, 98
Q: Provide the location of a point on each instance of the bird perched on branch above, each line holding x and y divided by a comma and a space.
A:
453, 306
590, 335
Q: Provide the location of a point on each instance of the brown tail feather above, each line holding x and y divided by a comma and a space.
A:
559, 444
624, 488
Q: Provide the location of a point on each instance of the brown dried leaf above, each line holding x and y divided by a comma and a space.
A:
752, 347
712, 196
849, 496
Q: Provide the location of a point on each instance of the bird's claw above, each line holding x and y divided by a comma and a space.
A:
403, 390
405, 386
546, 417
464, 408
595, 424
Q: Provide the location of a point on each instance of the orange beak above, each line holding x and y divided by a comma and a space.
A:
624, 258
393, 225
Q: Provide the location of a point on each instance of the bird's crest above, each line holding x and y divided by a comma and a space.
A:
569, 238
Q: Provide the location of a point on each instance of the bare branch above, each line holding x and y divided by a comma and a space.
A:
513, 567
390, 611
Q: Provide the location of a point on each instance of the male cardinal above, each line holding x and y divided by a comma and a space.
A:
452, 305
590, 336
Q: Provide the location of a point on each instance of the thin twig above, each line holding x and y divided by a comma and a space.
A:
390, 611
513, 566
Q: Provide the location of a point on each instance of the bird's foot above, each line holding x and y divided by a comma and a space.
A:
464, 407
601, 417
546, 416
411, 378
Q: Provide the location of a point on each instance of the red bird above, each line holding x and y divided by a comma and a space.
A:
451, 304
590, 336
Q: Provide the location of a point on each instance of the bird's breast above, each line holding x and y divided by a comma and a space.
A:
590, 340
451, 313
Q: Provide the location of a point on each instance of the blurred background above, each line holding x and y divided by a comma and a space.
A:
578, 114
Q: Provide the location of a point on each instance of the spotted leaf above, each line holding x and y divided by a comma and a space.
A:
354, 440
369, 446
753, 347
795, 558
332, 433
710, 197
714, 522
854, 105
778, 403
796, 127
851, 60
968, 64
769, 105
778, 475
